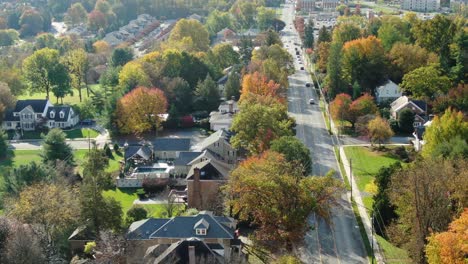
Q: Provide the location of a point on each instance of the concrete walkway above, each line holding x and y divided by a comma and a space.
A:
356, 195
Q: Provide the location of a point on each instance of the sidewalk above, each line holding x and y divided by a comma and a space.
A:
356, 195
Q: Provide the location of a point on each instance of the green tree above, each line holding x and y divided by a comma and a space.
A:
245, 49
55, 147
453, 148
389, 35
309, 34
274, 195
44, 71
7, 100
233, 86
442, 129
405, 58
31, 23
346, 31
265, 17
3, 144
406, 120
76, 14
120, 56
218, 20
16, 179
45, 40
77, 64
179, 94
8, 37
259, 122
334, 80
189, 35
136, 213
272, 38
133, 75
294, 151
225, 55
426, 81
207, 95
324, 35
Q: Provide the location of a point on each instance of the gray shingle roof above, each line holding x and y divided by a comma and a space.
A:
142, 151
220, 134
179, 227
10, 117
185, 157
38, 105
180, 249
210, 170
171, 144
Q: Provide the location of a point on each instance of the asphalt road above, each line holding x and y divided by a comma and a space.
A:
340, 240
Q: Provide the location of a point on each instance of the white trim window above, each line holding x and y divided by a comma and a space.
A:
200, 231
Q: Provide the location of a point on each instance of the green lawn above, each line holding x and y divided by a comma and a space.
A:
114, 165
69, 99
81, 133
393, 255
126, 196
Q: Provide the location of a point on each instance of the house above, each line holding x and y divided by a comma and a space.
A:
387, 91
138, 154
218, 144
418, 134
191, 250
222, 84
169, 148
196, 17
204, 181
225, 34
418, 107
222, 119
78, 239
158, 238
181, 163
31, 114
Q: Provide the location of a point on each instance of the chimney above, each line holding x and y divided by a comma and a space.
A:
197, 199
191, 254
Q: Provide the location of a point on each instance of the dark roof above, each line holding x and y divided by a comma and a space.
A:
421, 104
419, 131
185, 157
171, 144
57, 110
178, 252
223, 79
210, 170
37, 105
179, 227
142, 151
10, 117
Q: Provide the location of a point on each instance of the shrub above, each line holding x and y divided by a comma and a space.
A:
141, 194
154, 185
116, 148
108, 151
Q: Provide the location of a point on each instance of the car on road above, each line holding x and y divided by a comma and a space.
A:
302, 68
311, 101
308, 84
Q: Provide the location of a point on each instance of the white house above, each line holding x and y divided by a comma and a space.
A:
222, 119
387, 91
29, 114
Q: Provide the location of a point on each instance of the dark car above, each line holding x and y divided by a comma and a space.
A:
87, 122
302, 68
307, 84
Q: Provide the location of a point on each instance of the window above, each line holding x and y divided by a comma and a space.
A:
52, 114
416, 124
38, 115
201, 231
8, 124
62, 114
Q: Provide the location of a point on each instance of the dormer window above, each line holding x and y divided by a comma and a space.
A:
62, 114
52, 114
201, 231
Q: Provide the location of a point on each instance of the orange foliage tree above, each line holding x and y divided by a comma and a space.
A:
258, 84
139, 110
363, 105
340, 107
450, 247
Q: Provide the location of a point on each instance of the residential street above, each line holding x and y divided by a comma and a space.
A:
340, 241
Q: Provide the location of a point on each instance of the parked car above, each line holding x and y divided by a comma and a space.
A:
302, 68
311, 101
307, 84
87, 122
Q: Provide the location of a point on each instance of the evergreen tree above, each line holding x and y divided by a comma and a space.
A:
233, 86
309, 34
56, 148
207, 95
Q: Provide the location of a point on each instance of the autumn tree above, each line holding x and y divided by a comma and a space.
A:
48, 208
363, 105
426, 202
133, 75
294, 151
101, 47
364, 61
379, 130
405, 58
217, 21
45, 72
7, 99
323, 51
258, 84
97, 20
444, 128
18, 178
31, 23
426, 81
55, 147
455, 99
207, 95
340, 107
274, 62
449, 246
189, 35
76, 14
139, 110
261, 120
272, 193
77, 64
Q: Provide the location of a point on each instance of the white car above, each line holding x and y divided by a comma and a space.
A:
311, 101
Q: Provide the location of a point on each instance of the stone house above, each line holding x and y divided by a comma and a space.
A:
418, 107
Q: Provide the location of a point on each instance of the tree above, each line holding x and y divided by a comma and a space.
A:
323, 51
449, 246
363, 105
426, 81
225, 55
426, 202
382, 209
340, 107
100, 212
406, 120
265, 17
136, 213
334, 80
16, 179
259, 122
139, 110
207, 95
3, 144
324, 35
110, 248
178, 93
96, 20
442, 129
31, 23
14, 79
45, 40
49, 208
133, 75
379, 130
44, 72
309, 34
77, 64
294, 151
76, 14
454, 148
455, 99
364, 61
245, 13
405, 58
120, 56
55, 147
245, 49
217, 21
7, 100
233, 84
346, 31
191, 32
272, 193
8, 37
389, 35
257, 83
101, 46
